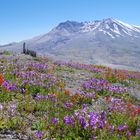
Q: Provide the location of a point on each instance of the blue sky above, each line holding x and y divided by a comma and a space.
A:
23, 19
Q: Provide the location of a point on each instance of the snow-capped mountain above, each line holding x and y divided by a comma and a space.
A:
108, 41
113, 28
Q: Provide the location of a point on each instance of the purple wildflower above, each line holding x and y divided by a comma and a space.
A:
39, 134
55, 120
128, 133
122, 127
68, 104
68, 120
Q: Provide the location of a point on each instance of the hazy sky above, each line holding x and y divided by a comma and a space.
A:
23, 19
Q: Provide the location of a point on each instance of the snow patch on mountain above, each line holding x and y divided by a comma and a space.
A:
111, 27
111, 35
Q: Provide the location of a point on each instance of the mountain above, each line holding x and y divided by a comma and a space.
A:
108, 42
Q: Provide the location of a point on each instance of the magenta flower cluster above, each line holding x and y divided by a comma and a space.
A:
86, 119
80, 66
101, 85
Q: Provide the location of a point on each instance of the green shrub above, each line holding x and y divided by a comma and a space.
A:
6, 52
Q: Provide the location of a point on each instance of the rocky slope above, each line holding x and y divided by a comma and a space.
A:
108, 42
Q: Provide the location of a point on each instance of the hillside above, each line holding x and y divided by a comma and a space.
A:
41, 98
109, 42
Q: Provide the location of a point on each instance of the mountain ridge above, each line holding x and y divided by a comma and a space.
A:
108, 41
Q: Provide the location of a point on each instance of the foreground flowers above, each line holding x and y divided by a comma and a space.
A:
34, 101
102, 86
1, 79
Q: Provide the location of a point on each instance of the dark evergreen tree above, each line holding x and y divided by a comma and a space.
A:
24, 48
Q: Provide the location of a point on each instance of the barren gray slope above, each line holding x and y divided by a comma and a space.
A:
108, 42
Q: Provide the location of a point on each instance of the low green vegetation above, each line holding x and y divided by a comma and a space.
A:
37, 101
